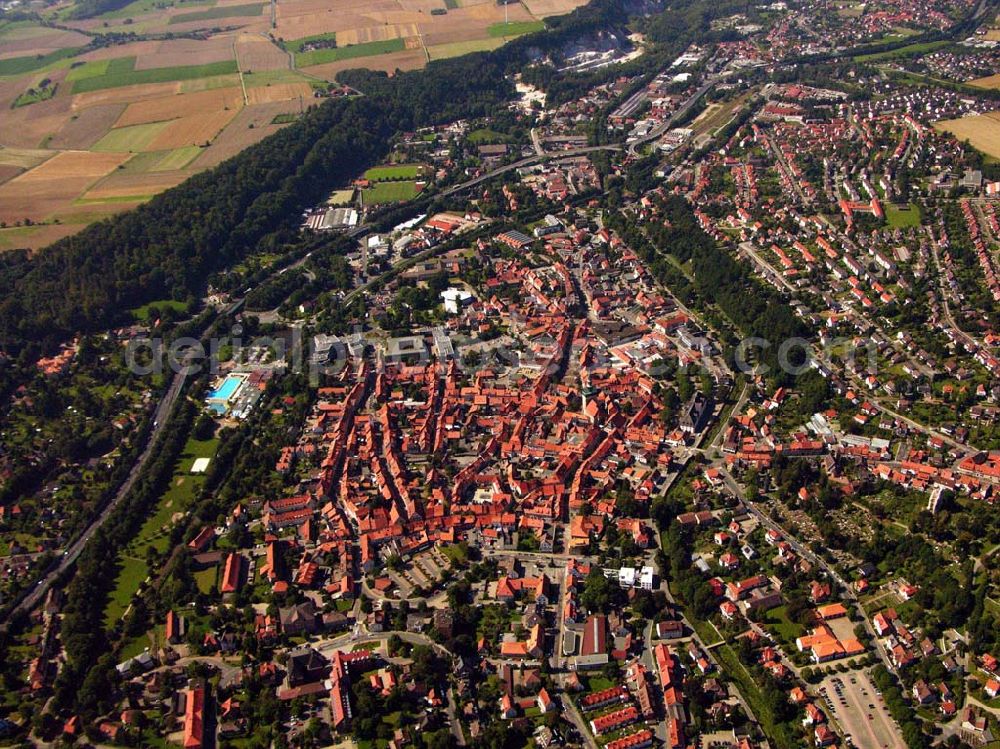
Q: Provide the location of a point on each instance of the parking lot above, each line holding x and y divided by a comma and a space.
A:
860, 711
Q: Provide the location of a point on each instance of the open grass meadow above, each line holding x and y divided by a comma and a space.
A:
907, 51
368, 49
120, 71
457, 49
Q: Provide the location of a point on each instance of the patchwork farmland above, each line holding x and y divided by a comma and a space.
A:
90, 130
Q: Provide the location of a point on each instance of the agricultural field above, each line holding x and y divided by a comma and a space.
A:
992, 81
89, 131
981, 130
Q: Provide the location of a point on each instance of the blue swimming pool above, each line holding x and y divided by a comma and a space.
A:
225, 391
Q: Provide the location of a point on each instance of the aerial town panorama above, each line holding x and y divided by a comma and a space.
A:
500, 374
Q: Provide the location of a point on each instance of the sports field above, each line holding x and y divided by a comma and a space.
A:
389, 192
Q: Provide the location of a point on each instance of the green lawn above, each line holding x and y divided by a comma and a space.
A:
391, 173
320, 56
787, 630
598, 683
132, 138
206, 578
225, 11
455, 553
517, 28
121, 72
485, 135
130, 575
901, 217
390, 192
134, 647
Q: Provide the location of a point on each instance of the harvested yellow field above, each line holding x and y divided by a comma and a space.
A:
260, 53
54, 184
455, 49
69, 164
186, 52
34, 237
125, 94
546, 8
194, 130
279, 92
239, 134
25, 158
131, 185
992, 81
181, 105
375, 34
981, 130
299, 18
28, 127
86, 127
